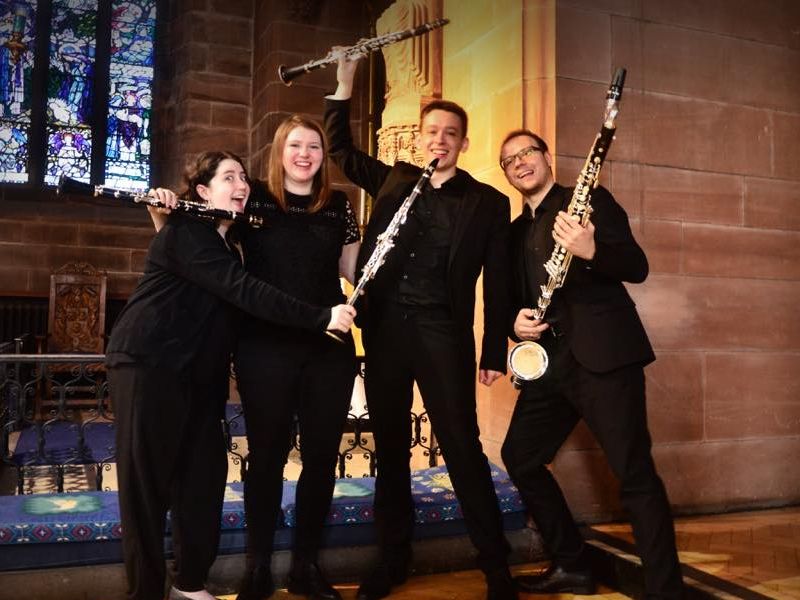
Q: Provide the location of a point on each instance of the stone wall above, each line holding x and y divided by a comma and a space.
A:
204, 84
499, 65
705, 163
291, 34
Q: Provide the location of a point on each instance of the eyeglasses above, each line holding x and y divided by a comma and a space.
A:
524, 153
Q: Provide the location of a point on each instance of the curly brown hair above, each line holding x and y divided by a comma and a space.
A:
201, 171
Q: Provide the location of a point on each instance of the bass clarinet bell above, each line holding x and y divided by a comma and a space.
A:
287, 74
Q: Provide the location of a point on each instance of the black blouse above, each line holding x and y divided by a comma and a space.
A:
298, 251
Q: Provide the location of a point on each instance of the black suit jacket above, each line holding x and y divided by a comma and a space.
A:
179, 315
479, 238
604, 329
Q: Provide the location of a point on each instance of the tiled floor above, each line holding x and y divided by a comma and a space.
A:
461, 585
758, 551
747, 555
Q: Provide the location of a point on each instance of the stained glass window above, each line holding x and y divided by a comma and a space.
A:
73, 76
130, 99
17, 28
69, 89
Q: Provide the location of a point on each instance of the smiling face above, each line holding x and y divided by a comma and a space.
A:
228, 189
442, 136
528, 171
303, 154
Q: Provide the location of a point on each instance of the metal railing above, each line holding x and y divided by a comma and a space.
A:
57, 421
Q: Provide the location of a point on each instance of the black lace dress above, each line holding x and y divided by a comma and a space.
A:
284, 373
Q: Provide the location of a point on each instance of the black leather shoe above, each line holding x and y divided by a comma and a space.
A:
256, 584
500, 586
305, 578
379, 582
557, 580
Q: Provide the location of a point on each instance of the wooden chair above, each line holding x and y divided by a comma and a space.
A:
76, 317
75, 325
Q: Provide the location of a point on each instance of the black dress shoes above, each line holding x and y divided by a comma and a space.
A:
384, 576
557, 580
256, 584
500, 586
306, 579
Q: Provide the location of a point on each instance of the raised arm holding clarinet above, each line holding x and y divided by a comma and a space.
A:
418, 326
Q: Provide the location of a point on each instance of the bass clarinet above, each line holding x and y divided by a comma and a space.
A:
528, 360
385, 241
287, 74
67, 185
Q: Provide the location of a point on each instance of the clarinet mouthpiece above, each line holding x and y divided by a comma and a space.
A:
615, 89
619, 78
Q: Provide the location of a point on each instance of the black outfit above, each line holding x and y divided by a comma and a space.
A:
597, 348
169, 360
283, 373
417, 316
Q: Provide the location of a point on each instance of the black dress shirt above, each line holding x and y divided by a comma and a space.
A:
537, 248
423, 282
478, 242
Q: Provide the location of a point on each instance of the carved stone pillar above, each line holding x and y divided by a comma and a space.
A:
413, 74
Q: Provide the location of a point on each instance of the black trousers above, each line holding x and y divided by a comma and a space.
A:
613, 406
419, 346
310, 376
171, 455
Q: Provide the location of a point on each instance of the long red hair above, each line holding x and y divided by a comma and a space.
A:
321, 187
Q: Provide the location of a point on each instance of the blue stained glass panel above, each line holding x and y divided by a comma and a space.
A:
69, 151
17, 28
70, 81
69, 88
133, 28
72, 51
13, 152
130, 97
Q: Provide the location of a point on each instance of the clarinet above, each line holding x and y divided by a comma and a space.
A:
67, 185
287, 74
528, 360
385, 241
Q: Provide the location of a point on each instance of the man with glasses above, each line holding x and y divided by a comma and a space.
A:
597, 348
